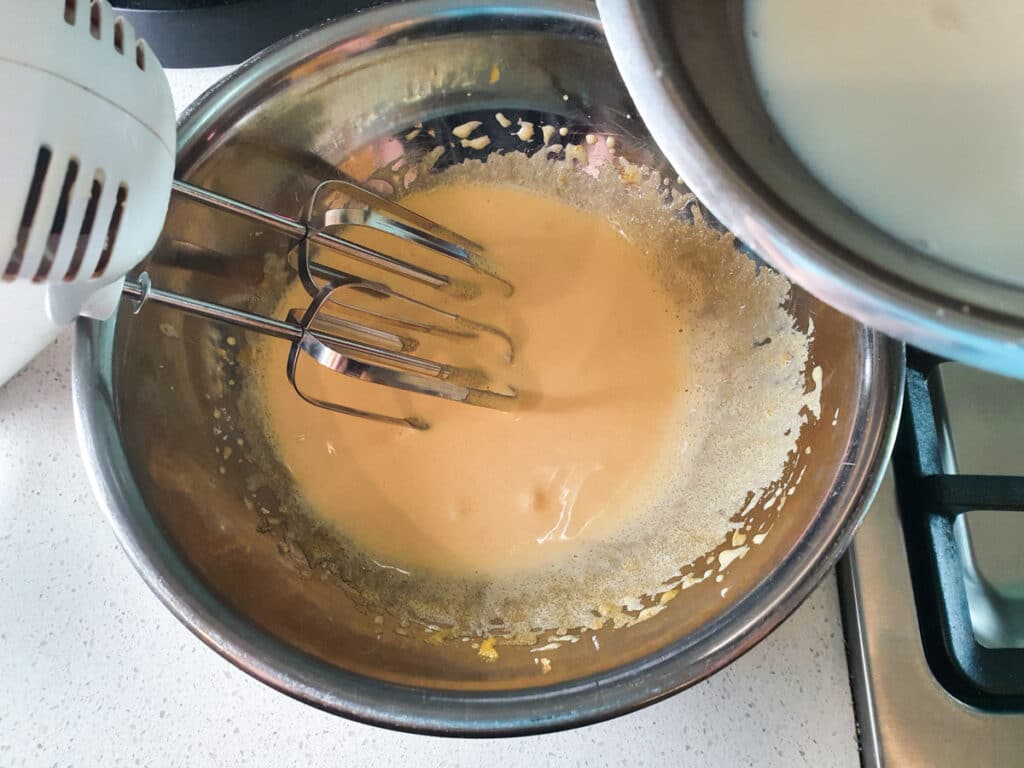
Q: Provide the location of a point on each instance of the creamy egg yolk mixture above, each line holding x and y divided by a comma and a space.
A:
599, 365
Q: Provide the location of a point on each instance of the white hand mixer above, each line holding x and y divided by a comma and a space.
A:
88, 167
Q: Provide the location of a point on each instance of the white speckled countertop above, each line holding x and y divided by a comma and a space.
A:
95, 672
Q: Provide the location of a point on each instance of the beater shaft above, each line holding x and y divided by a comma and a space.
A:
300, 231
141, 292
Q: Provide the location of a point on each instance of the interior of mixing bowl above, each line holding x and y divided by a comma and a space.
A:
267, 137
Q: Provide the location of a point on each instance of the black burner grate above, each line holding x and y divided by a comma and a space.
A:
930, 501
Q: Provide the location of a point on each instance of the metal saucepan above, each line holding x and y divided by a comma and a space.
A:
687, 67
153, 405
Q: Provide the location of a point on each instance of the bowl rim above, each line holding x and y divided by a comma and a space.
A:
438, 711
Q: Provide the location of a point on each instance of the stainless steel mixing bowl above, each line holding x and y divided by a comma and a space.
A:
156, 395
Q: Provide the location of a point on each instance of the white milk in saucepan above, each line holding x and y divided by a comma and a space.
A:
912, 111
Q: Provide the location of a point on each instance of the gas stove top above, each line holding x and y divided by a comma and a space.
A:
933, 587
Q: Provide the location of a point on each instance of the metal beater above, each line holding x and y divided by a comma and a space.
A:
88, 173
322, 332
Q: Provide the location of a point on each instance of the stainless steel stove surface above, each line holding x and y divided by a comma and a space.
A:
933, 586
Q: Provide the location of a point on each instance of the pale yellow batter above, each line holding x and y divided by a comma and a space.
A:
664, 386
600, 369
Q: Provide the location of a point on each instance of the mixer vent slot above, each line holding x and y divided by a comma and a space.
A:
28, 213
96, 28
94, 19
59, 217
86, 230
112, 230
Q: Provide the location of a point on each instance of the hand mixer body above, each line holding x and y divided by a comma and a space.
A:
87, 162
